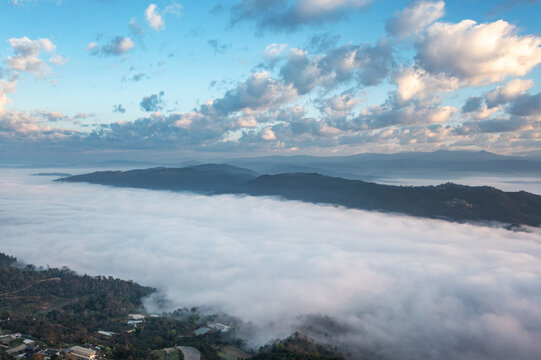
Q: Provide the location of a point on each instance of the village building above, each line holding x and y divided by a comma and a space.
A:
83, 353
136, 316
106, 333
219, 327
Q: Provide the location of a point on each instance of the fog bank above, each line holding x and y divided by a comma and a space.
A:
402, 287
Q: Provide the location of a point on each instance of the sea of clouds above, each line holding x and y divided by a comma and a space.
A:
395, 286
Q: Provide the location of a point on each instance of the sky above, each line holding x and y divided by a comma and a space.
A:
400, 287
171, 79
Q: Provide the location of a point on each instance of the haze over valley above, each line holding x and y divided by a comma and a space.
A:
399, 286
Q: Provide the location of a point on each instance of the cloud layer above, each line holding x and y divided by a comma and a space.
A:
399, 287
426, 83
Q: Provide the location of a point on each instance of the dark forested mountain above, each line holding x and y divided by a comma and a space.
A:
447, 201
206, 178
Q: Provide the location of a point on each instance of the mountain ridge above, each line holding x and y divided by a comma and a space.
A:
448, 201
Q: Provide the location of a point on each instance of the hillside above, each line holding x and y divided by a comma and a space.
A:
447, 201
206, 178
43, 312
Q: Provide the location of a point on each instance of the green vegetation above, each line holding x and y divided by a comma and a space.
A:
61, 309
296, 347
58, 309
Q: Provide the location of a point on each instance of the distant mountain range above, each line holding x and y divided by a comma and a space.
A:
369, 167
411, 164
447, 201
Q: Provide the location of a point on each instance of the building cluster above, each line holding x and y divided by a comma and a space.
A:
22, 346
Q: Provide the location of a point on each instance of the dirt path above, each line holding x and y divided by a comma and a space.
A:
27, 287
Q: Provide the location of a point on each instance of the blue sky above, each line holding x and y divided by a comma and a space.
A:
268, 76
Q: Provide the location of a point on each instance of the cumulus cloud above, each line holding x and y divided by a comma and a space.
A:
367, 64
152, 103
155, 19
6, 87
17, 127
26, 55
527, 105
415, 18
117, 46
507, 93
52, 116
410, 114
259, 92
399, 287
268, 134
416, 82
26, 58
478, 53
283, 15
340, 106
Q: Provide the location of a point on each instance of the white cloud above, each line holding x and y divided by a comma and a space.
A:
20, 124
125, 45
414, 82
340, 106
259, 92
52, 115
484, 112
509, 92
6, 87
415, 18
367, 64
153, 18
400, 287
274, 50
412, 114
26, 58
478, 53
268, 134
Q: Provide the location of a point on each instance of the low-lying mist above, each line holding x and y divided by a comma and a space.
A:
399, 287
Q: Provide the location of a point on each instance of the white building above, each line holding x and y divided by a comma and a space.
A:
83, 353
136, 316
220, 327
